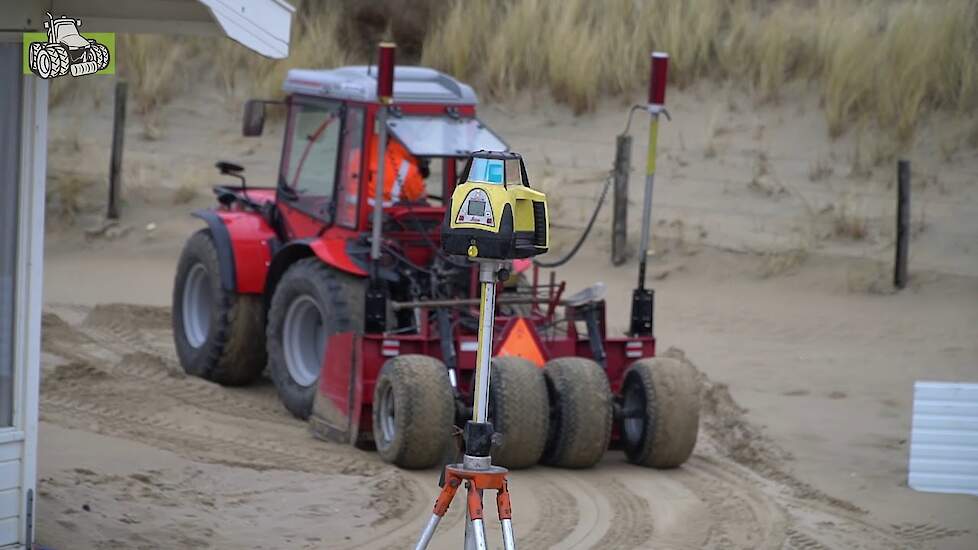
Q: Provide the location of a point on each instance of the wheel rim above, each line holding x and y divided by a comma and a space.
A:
633, 413
43, 64
197, 306
304, 338
388, 426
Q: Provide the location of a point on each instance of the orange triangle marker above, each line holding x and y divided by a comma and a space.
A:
521, 343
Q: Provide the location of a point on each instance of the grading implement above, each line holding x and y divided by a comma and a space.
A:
377, 347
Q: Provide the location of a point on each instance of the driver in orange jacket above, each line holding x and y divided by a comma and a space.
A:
403, 177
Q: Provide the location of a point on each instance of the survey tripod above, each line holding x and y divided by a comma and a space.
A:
476, 471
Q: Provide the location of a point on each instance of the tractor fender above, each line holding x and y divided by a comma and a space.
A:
331, 252
245, 244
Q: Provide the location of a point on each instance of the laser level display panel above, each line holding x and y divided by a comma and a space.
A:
477, 209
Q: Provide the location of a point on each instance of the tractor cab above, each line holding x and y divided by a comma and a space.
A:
329, 162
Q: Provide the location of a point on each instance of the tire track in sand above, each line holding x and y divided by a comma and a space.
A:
127, 344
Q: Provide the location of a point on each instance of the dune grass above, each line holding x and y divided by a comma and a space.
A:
875, 63
885, 62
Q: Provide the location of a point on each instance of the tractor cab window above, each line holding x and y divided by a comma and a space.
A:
311, 151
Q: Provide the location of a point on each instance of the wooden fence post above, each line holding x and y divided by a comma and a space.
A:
902, 224
619, 227
118, 135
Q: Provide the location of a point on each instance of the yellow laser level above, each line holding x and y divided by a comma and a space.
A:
493, 213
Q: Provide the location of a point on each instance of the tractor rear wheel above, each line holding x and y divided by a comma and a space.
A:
660, 409
60, 63
519, 411
312, 301
101, 55
580, 412
413, 411
218, 333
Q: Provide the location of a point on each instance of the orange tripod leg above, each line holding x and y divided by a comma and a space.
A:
442, 503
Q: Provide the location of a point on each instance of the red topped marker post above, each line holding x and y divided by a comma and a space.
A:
643, 299
385, 95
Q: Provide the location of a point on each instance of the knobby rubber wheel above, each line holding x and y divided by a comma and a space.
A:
60, 63
580, 412
519, 411
413, 411
312, 301
660, 412
219, 334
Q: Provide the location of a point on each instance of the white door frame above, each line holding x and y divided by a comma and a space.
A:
28, 292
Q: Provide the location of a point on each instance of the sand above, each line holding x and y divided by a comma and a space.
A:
807, 358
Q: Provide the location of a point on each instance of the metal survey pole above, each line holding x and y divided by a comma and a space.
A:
487, 315
642, 298
385, 94
375, 300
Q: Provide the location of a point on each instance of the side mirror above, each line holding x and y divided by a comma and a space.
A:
254, 118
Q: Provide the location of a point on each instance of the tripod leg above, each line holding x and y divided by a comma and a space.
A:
429, 531
441, 506
478, 528
505, 508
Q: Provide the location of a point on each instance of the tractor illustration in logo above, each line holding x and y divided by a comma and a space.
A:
66, 51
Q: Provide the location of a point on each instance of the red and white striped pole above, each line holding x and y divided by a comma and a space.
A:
643, 300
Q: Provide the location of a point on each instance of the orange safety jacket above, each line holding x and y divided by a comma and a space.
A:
402, 178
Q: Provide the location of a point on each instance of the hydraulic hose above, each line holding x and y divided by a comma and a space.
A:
587, 231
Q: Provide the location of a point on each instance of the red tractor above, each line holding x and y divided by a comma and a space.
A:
381, 352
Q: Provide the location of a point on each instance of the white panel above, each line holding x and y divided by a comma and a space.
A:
11, 450
262, 25
9, 503
9, 474
944, 438
8, 531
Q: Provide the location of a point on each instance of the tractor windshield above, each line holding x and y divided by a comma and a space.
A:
444, 136
66, 33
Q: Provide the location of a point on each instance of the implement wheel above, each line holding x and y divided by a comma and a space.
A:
218, 333
580, 412
312, 302
519, 411
413, 411
661, 410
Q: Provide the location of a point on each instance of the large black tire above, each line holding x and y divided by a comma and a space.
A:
661, 412
101, 55
580, 412
226, 344
519, 411
413, 411
337, 299
60, 63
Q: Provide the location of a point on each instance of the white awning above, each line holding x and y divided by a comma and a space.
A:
442, 136
260, 25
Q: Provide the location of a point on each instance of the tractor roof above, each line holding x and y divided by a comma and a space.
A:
359, 83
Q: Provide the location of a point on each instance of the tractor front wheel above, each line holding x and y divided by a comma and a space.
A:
311, 302
519, 412
580, 412
660, 410
413, 411
218, 333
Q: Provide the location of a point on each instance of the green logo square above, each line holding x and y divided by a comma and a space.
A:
107, 39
